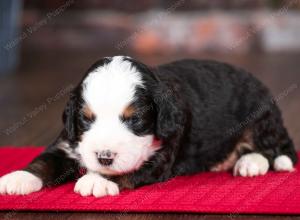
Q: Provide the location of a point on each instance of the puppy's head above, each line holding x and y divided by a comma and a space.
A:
116, 113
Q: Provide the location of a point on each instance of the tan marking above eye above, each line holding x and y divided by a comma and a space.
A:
88, 112
128, 111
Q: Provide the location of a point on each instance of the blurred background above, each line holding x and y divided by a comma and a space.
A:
46, 46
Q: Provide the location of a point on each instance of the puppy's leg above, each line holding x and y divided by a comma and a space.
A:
271, 139
158, 169
272, 146
52, 167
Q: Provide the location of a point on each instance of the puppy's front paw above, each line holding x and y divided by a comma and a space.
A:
94, 184
252, 164
20, 183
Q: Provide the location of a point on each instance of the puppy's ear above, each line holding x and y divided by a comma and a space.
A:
69, 118
170, 116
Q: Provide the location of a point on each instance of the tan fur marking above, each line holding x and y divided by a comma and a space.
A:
227, 164
247, 137
88, 112
128, 112
245, 142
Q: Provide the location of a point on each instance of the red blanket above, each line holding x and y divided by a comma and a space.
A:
204, 192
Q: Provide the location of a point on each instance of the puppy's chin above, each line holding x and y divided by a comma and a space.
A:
117, 169
110, 172
114, 172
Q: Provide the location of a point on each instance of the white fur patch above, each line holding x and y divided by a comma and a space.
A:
68, 150
283, 163
96, 185
252, 164
108, 90
20, 183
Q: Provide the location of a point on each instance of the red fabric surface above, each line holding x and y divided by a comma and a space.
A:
205, 192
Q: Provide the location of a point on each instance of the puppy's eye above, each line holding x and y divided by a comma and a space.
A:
131, 120
130, 115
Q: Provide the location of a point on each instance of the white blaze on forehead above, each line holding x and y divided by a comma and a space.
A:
110, 88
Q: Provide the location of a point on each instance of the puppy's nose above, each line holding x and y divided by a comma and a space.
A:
105, 157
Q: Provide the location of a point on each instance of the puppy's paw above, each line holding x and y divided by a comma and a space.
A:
94, 184
20, 183
252, 164
283, 163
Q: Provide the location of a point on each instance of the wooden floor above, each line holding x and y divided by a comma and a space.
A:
138, 216
32, 101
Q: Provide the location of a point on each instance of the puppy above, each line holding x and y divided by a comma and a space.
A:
131, 125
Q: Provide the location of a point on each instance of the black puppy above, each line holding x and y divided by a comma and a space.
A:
130, 125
